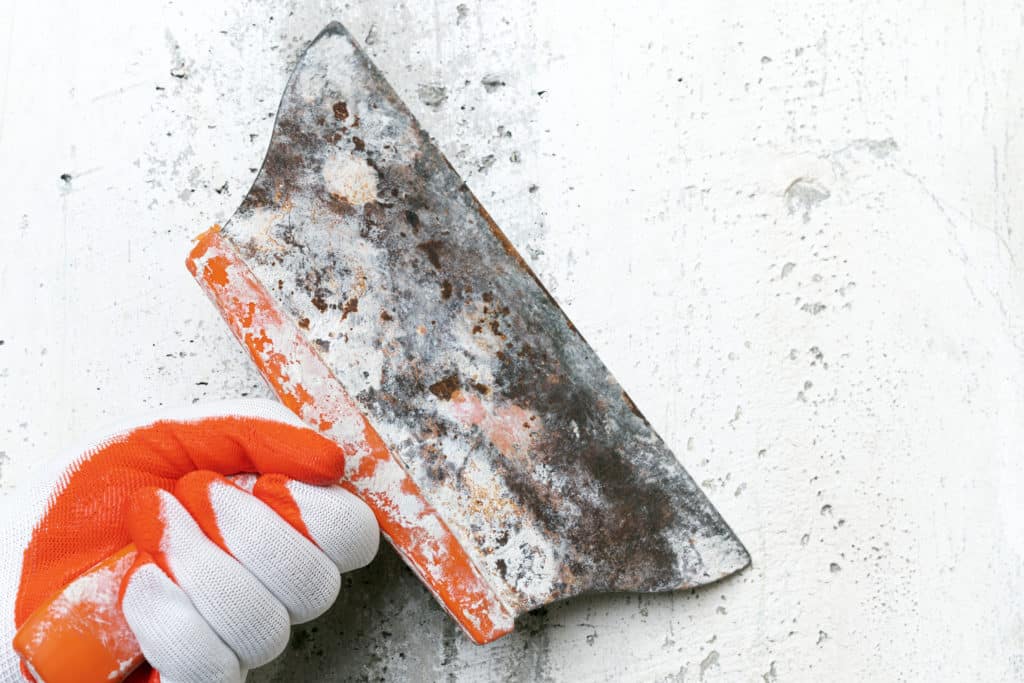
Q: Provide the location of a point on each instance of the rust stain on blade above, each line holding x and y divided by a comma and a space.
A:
500, 413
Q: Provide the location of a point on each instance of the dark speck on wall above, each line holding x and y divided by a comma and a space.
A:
492, 82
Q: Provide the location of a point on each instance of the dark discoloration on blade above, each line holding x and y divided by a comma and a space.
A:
500, 411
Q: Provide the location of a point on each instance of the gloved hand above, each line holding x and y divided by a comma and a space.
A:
224, 566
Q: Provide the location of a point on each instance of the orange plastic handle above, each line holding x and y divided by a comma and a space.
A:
80, 634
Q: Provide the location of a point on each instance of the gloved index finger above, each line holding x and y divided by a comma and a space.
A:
234, 444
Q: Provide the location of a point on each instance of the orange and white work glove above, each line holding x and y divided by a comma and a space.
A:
239, 526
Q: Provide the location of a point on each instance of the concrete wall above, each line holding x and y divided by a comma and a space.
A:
791, 229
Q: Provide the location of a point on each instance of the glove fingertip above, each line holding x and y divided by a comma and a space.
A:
193, 491
300, 452
273, 490
339, 522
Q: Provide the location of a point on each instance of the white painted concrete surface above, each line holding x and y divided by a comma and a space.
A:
792, 230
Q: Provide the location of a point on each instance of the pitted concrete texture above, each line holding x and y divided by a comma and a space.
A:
791, 230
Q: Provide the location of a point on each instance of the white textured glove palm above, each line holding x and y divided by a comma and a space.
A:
224, 565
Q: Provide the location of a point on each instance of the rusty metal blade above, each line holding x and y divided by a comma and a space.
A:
370, 243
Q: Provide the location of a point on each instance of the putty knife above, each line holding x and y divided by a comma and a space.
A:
384, 306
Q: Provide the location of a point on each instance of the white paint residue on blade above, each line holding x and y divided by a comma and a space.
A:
498, 532
303, 371
349, 179
714, 552
328, 60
